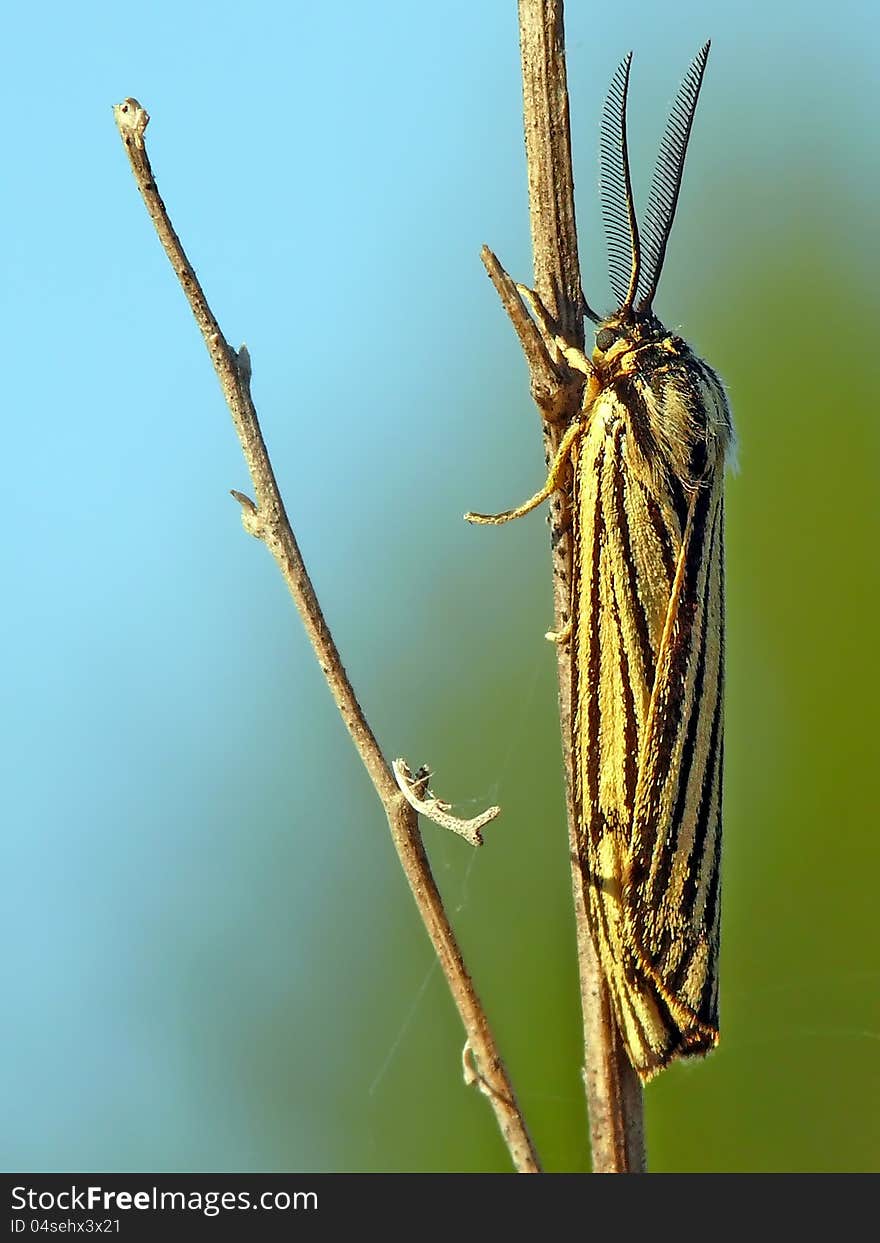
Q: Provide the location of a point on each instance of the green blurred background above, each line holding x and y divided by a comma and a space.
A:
212, 961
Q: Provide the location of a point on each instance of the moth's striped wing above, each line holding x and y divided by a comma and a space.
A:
649, 669
674, 883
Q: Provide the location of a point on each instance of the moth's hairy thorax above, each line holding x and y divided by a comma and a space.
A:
677, 420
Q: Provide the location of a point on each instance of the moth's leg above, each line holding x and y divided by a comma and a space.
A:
563, 635
576, 358
541, 316
559, 463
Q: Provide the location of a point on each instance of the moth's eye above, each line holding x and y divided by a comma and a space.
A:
605, 338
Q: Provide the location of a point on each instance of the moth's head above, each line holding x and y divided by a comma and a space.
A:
620, 334
636, 261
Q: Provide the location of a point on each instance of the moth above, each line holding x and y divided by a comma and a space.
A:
645, 457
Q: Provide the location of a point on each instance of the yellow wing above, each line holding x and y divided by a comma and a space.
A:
648, 728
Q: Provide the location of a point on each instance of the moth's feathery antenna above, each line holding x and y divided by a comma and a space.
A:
665, 187
615, 186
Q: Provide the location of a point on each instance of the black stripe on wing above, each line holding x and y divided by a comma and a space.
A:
668, 699
668, 844
678, 949
635, 595
590, 727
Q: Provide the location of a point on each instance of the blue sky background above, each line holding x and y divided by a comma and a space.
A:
212, 961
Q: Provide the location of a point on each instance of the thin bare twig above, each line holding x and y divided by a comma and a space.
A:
545, 374
614, 1094
414, 787
267, 520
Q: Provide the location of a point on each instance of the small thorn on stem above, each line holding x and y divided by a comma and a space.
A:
243, 363
250, 515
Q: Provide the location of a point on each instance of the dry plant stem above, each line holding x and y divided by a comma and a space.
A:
614, 1094
268, 521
